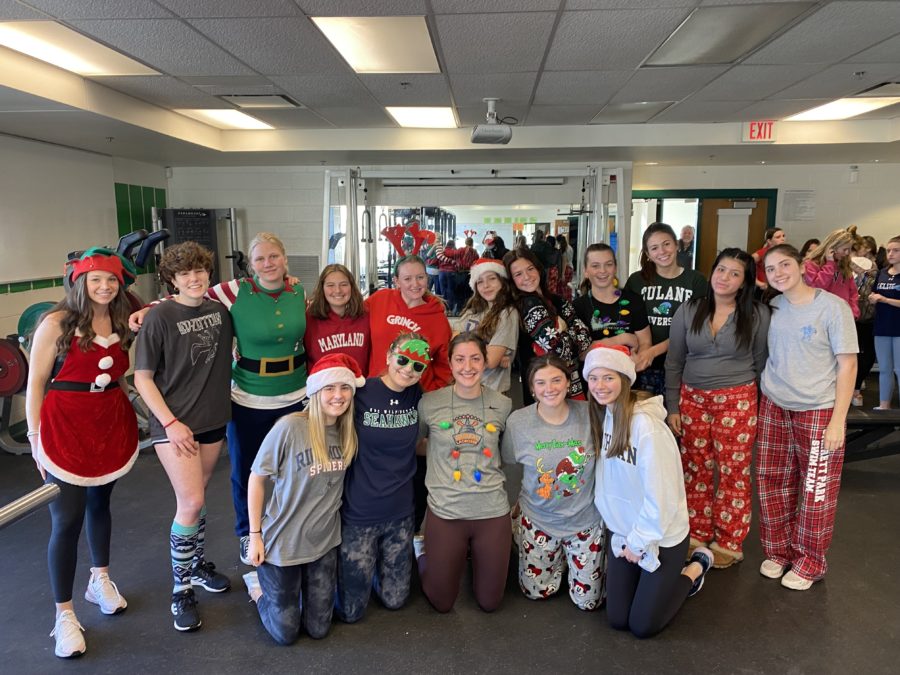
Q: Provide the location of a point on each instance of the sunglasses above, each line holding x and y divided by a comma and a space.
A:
402, 361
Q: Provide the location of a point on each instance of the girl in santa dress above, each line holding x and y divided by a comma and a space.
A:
82, 429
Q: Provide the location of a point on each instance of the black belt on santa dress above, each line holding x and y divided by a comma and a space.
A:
93, 387
282, 365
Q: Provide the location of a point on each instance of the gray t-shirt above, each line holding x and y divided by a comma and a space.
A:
706, 362
477, 492
559, 461
302, 520
801, 373
506, 335
188, 349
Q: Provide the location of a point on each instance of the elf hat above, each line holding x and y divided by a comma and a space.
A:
334, 369
98, 262
482, 265
617, 358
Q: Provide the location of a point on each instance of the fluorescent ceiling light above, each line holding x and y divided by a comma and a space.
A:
381, 44
844, 108
630, 113
55, 44
423, 118
720, 35
267, 101
224, 119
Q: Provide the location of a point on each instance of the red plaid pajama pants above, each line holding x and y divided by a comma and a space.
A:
719, 431
798, 482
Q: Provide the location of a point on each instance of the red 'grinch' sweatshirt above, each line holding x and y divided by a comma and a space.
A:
389, 316
337, 335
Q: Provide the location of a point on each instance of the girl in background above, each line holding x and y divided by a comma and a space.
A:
614, 316
887, 324
549, 323
773, 237
640, 496
83, 431
864, 275
717, 350
468, 509
336, 319
379, 504
806, 388
556, 526
294, 541
828, 267
664, 286
491, 314
182, 369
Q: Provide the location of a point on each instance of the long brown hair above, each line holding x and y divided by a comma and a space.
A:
78, 316
545, 296
648, 267
478, 305
622, 414
318, 305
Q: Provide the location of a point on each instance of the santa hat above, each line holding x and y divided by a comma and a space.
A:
617, 358
482, 265
334, 369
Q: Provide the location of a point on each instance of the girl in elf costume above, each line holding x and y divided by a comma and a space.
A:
83, 431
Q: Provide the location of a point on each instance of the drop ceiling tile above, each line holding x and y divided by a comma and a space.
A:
841, 80
700, 111
510, 88
667, 84
610, 39
316, 91
489, 6
410, 89
275, 46
10, 10
579, 86
101, 9
502, 43
632, 4
833, 33
357, 8
543, 115
475, 114
210, 9
776, 110
751, 83
166, 92
885, 52
630, 113
357, 116
289, 118
186, 51
230, 83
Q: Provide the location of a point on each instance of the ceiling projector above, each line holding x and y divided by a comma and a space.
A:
493, 131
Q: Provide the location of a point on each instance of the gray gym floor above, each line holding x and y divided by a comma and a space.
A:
739, 623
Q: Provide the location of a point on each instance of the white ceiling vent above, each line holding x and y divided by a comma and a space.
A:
261, 101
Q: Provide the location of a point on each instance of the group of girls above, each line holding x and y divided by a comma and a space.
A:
445, 398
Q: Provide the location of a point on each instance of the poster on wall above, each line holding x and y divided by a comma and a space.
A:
799, 205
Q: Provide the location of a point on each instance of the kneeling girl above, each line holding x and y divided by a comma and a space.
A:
640, 496
294, 544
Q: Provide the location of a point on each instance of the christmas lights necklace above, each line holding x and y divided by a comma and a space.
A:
602, 323
467, 439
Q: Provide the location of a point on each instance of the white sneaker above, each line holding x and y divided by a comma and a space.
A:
795, 582
67, 631
102, 591
251, 581
772, 569
419, 545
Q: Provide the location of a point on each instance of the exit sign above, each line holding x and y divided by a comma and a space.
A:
759, 131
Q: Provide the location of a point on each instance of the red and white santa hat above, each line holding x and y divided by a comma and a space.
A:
616, 357
334, 369
483, 265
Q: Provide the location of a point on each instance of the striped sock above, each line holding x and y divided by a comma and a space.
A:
183, 543
199, 554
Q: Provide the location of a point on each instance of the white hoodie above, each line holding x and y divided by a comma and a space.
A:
640, 495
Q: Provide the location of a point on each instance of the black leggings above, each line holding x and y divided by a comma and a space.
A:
67, 513
644, 602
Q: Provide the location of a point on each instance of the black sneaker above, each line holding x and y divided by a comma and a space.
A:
184, 609
205, 576
705, 558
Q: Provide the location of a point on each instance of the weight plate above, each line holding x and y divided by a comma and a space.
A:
13, 368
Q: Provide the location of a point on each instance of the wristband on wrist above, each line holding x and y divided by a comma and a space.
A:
256, 532
166, 426
29, 434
